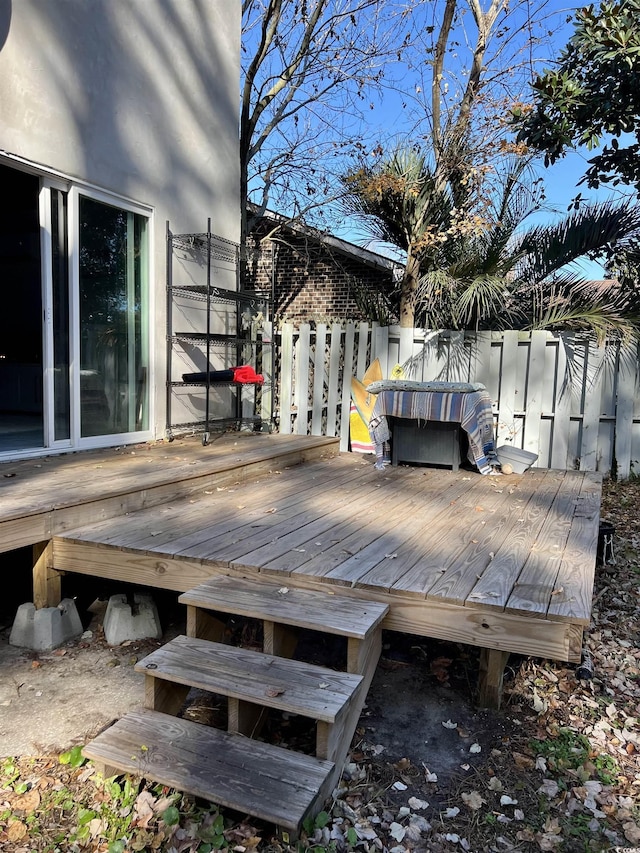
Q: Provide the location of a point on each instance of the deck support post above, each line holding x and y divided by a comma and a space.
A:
279, 640
204, 625
47, 590
245, 718
492, 665
165, 696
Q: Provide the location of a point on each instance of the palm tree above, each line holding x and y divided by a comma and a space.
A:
403, 201
472, 262
508, 275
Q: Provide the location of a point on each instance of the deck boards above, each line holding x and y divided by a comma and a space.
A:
44, 496
488, 560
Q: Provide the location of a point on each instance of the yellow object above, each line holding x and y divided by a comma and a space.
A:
397, 372
361, 409
363, 400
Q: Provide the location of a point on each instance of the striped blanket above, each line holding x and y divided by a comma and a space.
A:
472, 410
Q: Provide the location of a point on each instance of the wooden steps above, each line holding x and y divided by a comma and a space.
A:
316, 611
156, 744
246, 676
228, 769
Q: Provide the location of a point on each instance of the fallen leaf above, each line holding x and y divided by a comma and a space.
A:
415, 803
429, 776
475, 748
397, 831
450, 725
547, 841
28, 802
283, 590
452, 812
549, 788
506, 800
17, 831
495, 784
473, 800
272, 692
399, 786
524, 762
540, 706
632, 832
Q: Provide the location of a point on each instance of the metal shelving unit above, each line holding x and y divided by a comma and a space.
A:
246, 338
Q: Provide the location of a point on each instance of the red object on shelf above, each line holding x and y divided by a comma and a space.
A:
247, 375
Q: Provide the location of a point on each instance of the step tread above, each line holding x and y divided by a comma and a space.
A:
268, 782
274, 682
303, 608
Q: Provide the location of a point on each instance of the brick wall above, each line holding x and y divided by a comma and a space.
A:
312, 281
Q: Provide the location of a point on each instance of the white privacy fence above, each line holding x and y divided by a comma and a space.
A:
559, 395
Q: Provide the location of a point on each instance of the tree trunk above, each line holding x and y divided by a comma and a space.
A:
408, 290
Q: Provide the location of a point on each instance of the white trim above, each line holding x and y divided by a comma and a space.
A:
46, 279
73, 243
64, 182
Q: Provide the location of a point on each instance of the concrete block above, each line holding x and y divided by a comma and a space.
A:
122, 621
46, 628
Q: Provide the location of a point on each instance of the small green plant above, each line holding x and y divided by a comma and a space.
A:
570, 751
73, 757
212, 835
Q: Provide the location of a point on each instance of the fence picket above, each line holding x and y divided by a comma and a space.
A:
301, 394
347, 372
286, 377
591, 408
508, 427
334, 378
559, 456
624, 413
363, 349
380, 348
317, 408
535, 390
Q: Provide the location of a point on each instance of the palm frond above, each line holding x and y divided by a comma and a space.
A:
604, 309
589, 230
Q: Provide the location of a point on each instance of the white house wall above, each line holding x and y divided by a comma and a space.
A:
138, 97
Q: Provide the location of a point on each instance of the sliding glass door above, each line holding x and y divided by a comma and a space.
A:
113, 319
74, 342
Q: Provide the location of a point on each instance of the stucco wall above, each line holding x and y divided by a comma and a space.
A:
139, 97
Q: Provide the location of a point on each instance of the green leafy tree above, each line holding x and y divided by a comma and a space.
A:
591, 97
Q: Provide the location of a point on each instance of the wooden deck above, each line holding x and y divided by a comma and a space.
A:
504, 563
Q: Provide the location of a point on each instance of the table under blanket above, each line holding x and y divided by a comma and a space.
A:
471, 409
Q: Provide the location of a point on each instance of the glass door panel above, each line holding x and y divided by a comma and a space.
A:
113, 319
60, 314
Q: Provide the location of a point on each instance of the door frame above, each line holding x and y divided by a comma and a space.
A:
73, 228
74, 188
